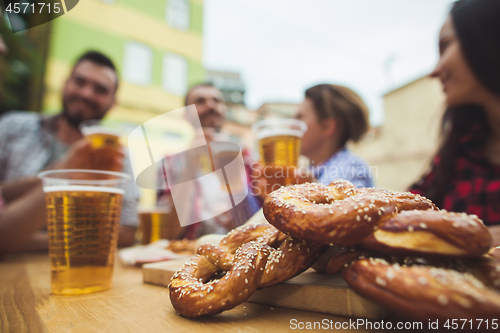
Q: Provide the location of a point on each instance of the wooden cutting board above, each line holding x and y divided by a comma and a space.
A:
310, 291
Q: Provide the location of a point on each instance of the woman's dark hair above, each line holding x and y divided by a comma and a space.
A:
455, 125
345, 106
477, 26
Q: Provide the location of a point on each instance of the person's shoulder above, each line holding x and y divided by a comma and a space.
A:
13, 120
354, 159
362, 177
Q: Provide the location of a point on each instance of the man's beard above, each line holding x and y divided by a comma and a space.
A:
76, 119
211, 113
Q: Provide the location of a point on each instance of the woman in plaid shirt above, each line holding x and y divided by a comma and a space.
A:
465, 173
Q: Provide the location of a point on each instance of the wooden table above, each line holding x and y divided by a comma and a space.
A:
26, 305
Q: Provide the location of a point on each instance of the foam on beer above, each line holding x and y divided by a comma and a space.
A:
151, 210
99, 130
269, 132
83, 188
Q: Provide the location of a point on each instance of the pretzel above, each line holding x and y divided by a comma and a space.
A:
252, 257
344, 258
431, 233
348, 256
424, 292
338, 214
494, 252
487, 269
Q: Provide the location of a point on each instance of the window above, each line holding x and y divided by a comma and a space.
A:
138, 64
174, 74
177, 15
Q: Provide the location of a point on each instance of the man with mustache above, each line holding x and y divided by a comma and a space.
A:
30, 142
211, 111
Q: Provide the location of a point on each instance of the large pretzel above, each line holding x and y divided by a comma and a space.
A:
252, 257
424, 292
487, 268
338, 214
425, 288
431, 233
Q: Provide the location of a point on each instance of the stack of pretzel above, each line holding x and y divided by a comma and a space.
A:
399, 250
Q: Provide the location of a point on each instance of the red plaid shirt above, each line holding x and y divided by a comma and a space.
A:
475, 188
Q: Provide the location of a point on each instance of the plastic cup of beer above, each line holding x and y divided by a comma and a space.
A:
100, 136
157, 223
279, 147
83, 217
105, 144
279, 140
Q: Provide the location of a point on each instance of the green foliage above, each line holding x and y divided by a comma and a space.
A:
18, 69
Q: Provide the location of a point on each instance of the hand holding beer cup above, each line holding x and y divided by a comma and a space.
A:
279, 148
265, 179
80, 156
105, 145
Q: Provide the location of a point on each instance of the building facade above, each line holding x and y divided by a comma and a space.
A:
401, 150
155, 44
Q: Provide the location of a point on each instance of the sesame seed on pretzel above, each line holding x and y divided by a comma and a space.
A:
338, 214
431, 233
252, 257
423, 292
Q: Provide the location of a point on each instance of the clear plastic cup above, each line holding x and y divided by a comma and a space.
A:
105, 143
83, 217
279, 141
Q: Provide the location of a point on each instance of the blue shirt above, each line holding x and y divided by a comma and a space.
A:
344, 165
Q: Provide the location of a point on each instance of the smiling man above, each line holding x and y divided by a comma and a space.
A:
30, 142
90, 91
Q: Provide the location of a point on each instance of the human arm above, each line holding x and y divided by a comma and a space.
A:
126, 235
129, 219
265, 179
16, 189
24, 213
21, 219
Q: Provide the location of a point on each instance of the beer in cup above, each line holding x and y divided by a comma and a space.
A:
157, 223
105, 143
83, 219
279, 147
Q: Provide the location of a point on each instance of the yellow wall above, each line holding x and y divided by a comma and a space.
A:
125, 21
